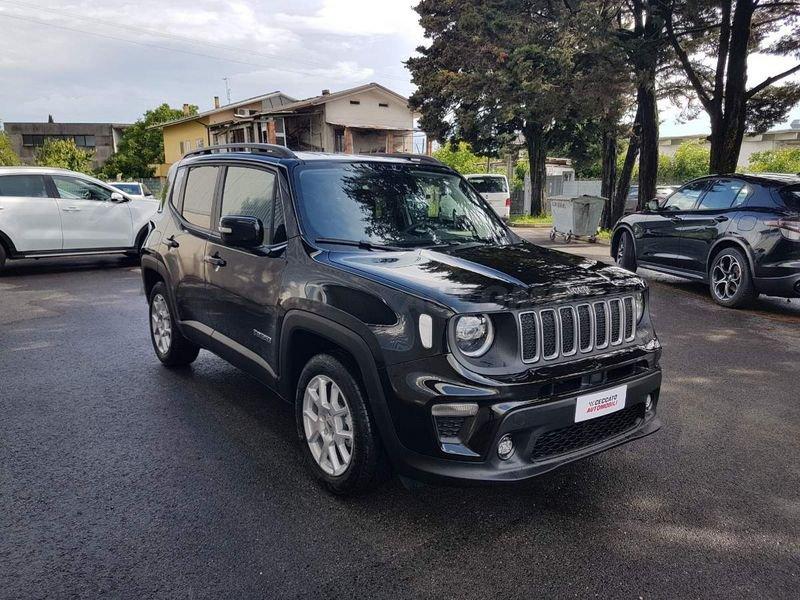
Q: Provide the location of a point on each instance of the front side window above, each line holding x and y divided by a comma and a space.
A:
250, 192
686, 197
73, 188
721, 194
198, 199
397, 205
24, 186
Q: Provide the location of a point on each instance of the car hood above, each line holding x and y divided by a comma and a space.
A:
487, 278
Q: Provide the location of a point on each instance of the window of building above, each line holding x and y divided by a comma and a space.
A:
355, 101
199, 143
25, 186
198, 199
383, 105
251, 192
280, 131
338, 140
37, 140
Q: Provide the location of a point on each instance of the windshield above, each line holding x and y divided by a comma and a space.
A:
489, 185
128, 188
396, 205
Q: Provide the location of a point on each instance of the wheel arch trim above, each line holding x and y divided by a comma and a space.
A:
729, 242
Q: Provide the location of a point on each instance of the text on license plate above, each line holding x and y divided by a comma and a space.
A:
598, 404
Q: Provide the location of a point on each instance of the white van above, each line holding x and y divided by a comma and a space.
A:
494, 189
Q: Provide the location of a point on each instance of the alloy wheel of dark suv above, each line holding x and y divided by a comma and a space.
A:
740, 234
407, 323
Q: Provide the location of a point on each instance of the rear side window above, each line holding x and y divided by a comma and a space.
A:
791, 198
198, 200
250, 192
721, 194
27, 186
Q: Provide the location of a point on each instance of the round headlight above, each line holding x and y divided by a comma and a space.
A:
638, 301
474, 335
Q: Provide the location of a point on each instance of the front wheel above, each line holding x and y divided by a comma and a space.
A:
730, 280
339, 439
171, 347
626, 252
2, 257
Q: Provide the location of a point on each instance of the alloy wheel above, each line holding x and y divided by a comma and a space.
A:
726, 277
328, 425
161, 323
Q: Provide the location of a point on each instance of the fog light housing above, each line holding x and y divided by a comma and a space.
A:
648, 403
505, 448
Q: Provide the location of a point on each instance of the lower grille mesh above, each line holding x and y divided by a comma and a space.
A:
586, 433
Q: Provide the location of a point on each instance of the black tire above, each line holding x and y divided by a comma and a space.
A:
730, 281
626, 252
179, 351
367, 465
2, 257
137, 254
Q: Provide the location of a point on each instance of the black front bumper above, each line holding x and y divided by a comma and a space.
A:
544, 432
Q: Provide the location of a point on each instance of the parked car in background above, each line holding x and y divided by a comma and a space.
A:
54, 212
134, 189
494, 189
738, 233
662, 191
448, 349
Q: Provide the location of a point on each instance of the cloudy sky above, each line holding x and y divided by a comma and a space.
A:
108, 61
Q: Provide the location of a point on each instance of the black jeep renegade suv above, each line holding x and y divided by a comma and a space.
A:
409, 326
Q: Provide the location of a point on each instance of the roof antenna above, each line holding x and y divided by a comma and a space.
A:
227, 89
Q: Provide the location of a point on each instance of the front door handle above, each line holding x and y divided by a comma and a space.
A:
721, 219
676, 219
71, 209
215, 260
171, 242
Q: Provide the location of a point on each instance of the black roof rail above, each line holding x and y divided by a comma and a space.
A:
271, 149
422, 158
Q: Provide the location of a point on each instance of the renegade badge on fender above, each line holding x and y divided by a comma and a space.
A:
408, 325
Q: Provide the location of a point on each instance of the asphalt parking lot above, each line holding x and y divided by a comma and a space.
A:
120, 478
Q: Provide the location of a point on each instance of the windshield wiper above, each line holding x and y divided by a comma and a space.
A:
356, 244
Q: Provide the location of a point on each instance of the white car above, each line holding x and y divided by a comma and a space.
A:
54, 212
494, 189
134, 189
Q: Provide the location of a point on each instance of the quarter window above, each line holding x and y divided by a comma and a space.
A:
721, 194
198, 200
73, 188
250, 192
24, 186
686, 197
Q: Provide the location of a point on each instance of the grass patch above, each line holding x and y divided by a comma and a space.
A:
530, 220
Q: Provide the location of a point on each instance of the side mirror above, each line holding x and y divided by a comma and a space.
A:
241, 231
653, 206
117, 197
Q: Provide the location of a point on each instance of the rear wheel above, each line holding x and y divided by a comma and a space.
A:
171, 347
339, 439
626, 252
730, 280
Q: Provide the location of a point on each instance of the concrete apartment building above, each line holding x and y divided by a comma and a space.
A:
361, 120
100, 138
771, 140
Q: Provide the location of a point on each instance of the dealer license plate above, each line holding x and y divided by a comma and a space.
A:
591, 406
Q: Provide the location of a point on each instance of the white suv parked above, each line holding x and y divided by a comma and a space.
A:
55, 212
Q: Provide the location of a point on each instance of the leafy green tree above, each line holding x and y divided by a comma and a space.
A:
459, 156
784, 160
8, 158
64, 154
691, 160
142, 145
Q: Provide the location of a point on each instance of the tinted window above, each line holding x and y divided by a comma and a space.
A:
397, 205
686, 197
74, 188
128, 188
250, 192
29, 186
489, 185
198, 200
721, 194
791, 198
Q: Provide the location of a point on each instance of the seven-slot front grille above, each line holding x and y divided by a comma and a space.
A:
552, 333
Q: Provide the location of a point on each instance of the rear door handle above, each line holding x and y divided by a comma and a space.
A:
676, 219
71, 209
215, 260
171, 242
721, 219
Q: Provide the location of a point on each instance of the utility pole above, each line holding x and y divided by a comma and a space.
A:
227, 89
